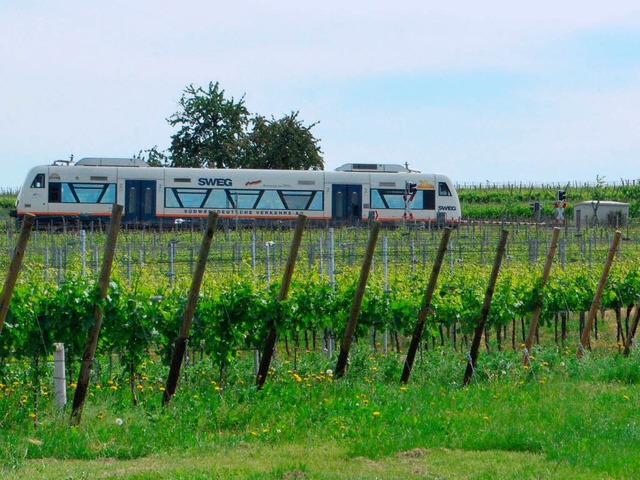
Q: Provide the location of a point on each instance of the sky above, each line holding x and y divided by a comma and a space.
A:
498, 91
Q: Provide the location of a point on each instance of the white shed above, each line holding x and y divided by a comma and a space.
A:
604, 212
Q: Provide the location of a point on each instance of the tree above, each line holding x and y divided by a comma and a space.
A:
284, 144
154, 157
214, 133
211, 131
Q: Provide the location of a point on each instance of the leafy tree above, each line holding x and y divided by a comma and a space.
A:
214, 132
211, 131
154, 157
284, 144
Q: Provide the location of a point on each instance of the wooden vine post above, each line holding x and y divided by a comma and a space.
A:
272, 335
486, 305
597, 297
14, 267
94, 331
180, 345
425, 309
632, 330
352, 323
535, 316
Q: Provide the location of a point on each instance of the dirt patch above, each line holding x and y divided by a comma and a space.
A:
415, 453
294, 474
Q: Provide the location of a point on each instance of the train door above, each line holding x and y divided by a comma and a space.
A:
346, 202
38, 194
140, 201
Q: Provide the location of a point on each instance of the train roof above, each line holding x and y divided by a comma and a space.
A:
111, 162
374, 167
139, 162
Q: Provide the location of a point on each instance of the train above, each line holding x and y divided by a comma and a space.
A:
85, 191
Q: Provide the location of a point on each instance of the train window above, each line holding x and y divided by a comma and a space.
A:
109, 194
132, 201
394, 199
339, 205
245, 199
186, 197
196, 198
270, 200
443, 189
383, 198
301, 200
218, 199
421, 200
429, 199
148, 201
38, 181
316, 202
82, 192
170, 199
55, 192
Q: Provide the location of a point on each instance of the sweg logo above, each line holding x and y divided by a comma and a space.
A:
214, 182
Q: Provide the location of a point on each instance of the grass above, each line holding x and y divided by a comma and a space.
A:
562, 418
318, 461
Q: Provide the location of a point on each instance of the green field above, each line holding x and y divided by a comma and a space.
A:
562, 418
559, 418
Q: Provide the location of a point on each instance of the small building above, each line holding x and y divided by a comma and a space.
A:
604, 212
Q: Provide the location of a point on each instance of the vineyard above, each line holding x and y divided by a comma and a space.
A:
54, 303
57, 293
512, 202
152, 272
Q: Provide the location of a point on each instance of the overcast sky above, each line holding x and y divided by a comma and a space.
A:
491, 90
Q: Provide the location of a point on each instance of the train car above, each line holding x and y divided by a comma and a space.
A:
85, 192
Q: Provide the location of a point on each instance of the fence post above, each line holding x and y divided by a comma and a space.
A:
597, 297
632, 330
189, 310
538, 306
59, 377
332, 260
486, 305
94, 331
268, 246
350, 329
321, 256
14, 267
253, 251
425, 309
385, 270
272, 336
172, 258
83, 252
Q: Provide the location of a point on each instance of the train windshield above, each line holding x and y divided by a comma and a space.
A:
444, 190
38, 181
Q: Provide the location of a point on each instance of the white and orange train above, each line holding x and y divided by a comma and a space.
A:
86, 191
